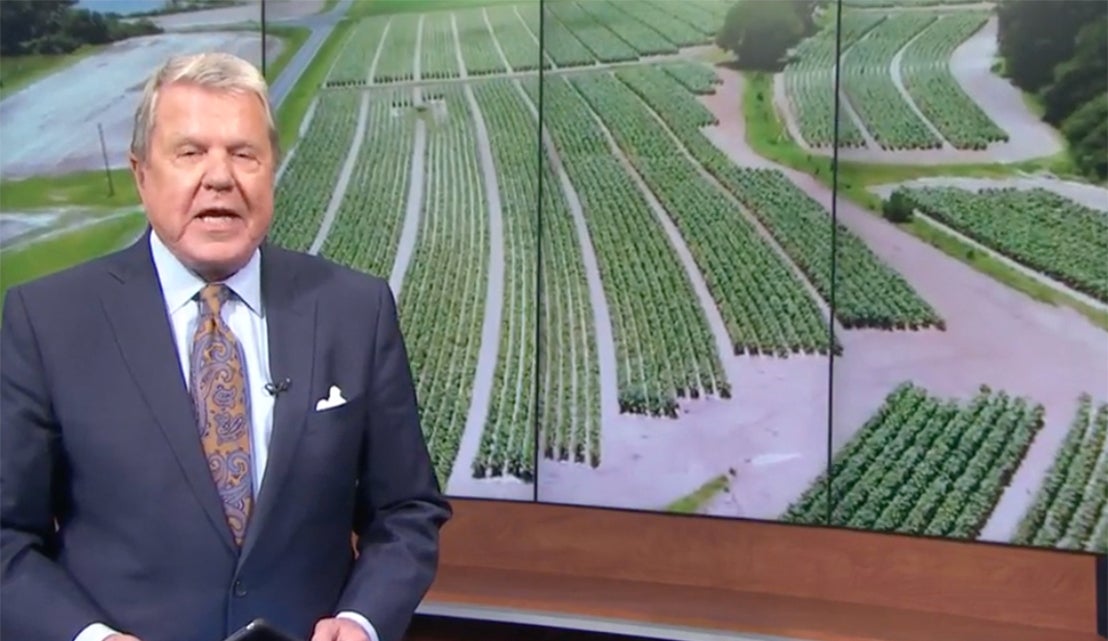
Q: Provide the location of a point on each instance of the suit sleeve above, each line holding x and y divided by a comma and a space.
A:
401, 505
38, 599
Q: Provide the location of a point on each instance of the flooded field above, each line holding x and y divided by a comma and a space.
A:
53, 126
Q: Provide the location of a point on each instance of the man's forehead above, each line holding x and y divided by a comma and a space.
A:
189, 103
184, 90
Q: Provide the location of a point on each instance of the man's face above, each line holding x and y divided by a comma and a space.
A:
207, 181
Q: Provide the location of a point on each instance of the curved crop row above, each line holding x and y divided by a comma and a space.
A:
367, 226
810, 82
925, 68
764, 306
868, 293
664, 348
569, 409
507, 439
868, 83
443, 298
305, 188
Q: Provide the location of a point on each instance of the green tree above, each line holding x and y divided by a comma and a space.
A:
1081, 78
1087, 131
1035, 36
899, 207
1058, 49
760, 33
27, 21
57, 27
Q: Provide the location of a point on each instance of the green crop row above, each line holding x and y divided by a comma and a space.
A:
868, 293
305, 188
356, 56
604, 44
810, 82
478, 46
923, 465
868, 83
507, 439
1070, 509
705, 17
397, 60
678, 32
644, 40
1037, 228
664, 349
367, 226
520, 46
925, 67
763, 304
442, 301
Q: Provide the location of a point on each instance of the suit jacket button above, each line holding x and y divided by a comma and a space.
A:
240, 588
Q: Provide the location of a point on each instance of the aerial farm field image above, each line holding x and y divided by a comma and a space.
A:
810, 261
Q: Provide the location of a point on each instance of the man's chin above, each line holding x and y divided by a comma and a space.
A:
216, 261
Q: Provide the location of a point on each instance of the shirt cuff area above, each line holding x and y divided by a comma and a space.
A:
360, 620
99, 632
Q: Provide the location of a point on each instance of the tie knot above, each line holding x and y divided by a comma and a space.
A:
213, 296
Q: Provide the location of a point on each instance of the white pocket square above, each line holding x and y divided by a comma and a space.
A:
334, 400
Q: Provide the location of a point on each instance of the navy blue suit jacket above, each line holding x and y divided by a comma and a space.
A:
109, 512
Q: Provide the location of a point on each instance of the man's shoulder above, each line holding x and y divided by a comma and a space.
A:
327, 276
70, 285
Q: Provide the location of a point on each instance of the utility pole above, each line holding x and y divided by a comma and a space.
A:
104, 152
263, 3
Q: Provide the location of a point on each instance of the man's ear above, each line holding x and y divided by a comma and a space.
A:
138, 170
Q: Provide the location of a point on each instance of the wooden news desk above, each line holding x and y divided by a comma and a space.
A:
566, 568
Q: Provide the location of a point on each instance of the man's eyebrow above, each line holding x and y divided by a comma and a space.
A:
178, 140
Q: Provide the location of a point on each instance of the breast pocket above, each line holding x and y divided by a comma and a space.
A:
350, 416
331, 444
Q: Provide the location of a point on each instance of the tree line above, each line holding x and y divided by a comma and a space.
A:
51, 27
760, 33
1059, 52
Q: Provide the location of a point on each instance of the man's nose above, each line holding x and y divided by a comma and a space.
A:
217, 172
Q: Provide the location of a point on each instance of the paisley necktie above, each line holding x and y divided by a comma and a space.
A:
219, 392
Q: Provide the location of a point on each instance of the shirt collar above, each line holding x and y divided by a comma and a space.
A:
180, 284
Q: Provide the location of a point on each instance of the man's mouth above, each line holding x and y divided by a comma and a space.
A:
217, 213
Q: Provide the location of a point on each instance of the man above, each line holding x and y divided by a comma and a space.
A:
193, 427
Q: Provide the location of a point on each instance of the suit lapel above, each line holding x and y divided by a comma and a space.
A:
290, 311
136, 310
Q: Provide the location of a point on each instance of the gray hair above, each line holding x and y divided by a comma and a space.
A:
215, 70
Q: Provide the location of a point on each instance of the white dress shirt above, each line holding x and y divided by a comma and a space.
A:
245, 315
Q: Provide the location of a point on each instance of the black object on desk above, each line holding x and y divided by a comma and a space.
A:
259, 630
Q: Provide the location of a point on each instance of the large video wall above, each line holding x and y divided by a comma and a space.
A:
839, 262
